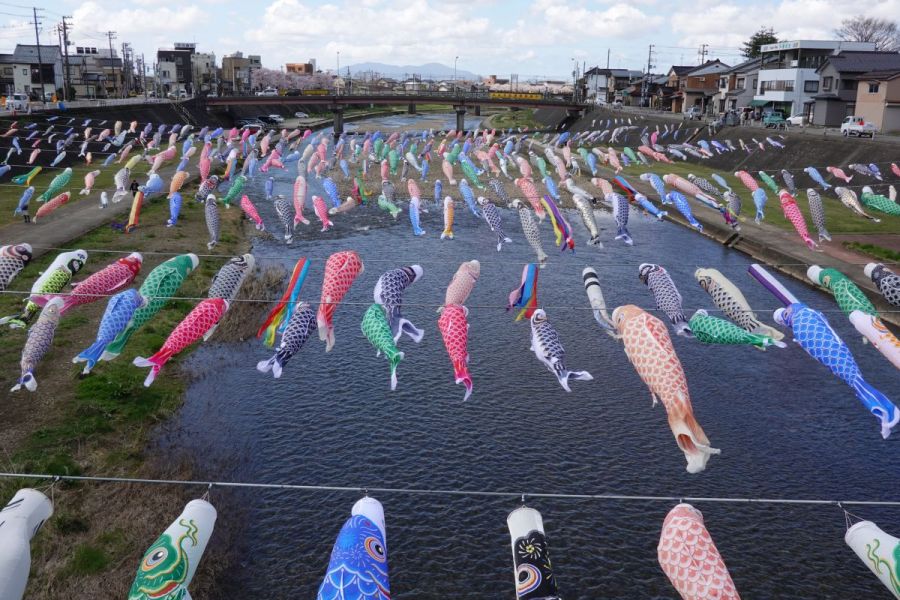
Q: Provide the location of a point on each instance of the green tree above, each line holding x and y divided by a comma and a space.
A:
751, 47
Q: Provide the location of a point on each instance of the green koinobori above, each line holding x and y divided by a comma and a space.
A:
471, 175
769, 182
53, 280
713, 330
847, 295
879, 202
377, 330
161, 284
387, 205
168, 566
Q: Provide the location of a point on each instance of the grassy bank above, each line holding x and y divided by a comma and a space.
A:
838, 218
874, 251
9, 198
513, 118
101, 423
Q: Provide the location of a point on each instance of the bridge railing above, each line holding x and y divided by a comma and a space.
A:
462, 96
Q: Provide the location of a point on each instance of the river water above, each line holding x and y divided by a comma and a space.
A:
785, 426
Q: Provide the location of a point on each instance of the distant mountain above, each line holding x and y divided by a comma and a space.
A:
426, 71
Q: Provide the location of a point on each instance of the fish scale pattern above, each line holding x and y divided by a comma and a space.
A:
690, 559
817, 337
888, 283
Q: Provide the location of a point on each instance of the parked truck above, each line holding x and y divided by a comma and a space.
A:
857, 126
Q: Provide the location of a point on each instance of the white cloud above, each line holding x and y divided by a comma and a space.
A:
138, 23
730, 25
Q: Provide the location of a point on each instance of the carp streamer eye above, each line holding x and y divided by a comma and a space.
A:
155, 557
375, 549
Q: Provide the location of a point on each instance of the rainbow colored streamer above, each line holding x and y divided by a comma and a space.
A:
525, 296
280, 315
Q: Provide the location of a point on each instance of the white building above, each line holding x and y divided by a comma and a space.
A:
205, 74
167, 78
788, 79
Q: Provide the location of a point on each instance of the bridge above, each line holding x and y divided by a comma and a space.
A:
461, 102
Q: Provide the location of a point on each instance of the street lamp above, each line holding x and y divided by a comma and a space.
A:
454, 71
337, 72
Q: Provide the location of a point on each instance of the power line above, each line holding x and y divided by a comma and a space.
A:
517, 495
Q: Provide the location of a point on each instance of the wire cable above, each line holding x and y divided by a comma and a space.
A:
405, 304
517, 495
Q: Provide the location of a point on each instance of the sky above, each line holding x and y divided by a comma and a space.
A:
530, 38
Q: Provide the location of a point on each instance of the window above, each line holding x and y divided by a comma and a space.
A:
781, 85
873, 88
740, 84
826, 84
811, 87
848, 84
24, 71
755, 83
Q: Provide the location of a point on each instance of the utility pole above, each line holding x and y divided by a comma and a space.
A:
68, 77
37, 39
111, 35
607, 58
126, 68
703, 51
143, 75
646, 87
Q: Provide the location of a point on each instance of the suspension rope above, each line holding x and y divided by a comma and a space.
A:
517, 495
409, 304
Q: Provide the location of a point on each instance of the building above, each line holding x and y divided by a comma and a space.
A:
95, 72
22, 70
837, 83
878, 99
695, 86
205, 74
7, 74
788, 79
301, 68
607, 85
181, 57
237, 72
166, 78
738, 85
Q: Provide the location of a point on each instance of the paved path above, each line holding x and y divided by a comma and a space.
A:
80, 216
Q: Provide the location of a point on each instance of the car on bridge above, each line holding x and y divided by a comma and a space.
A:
269, 91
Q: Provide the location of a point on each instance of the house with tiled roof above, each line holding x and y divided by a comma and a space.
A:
878, 99
694, 86
838, 81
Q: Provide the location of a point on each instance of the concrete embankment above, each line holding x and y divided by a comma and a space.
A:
766, 243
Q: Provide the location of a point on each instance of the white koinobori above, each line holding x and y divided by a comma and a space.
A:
531, 559
168, 567
20, 520
879, 551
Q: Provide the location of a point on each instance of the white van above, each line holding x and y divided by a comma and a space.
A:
17, 101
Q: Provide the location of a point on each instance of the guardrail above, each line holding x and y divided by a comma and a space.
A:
93, 103
461, 95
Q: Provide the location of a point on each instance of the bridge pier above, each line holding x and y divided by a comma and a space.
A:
338, 120
478, 110
460, 118
411, 109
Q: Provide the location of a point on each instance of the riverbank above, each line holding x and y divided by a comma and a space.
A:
774, 241
101, 423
